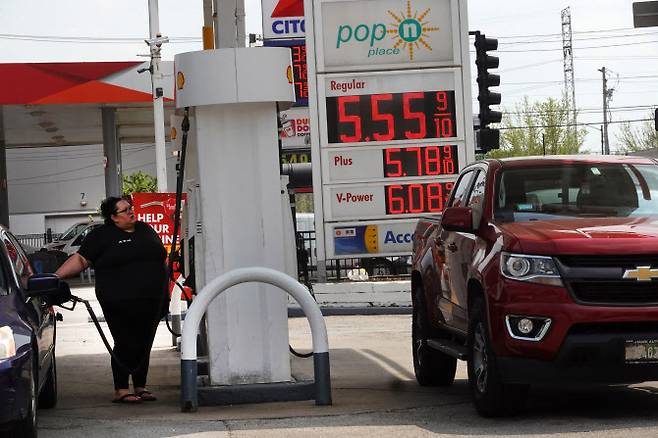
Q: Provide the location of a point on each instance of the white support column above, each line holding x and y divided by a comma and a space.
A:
233, 92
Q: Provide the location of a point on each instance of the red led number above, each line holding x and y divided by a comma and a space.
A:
448, 162
414, 115
395, 201
343, 117
416, 198
390, 161
442, 117
377, 116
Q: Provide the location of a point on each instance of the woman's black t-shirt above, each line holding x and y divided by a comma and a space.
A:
127, 265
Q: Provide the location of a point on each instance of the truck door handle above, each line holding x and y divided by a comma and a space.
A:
452, 247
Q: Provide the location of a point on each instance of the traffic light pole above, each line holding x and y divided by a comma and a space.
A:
487, 138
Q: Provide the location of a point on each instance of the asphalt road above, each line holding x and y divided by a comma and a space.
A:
374, 394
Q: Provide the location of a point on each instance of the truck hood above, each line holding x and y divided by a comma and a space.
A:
605, 236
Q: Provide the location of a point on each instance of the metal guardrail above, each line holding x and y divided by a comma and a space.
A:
321, 368
36, 240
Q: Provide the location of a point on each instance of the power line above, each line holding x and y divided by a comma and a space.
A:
92, 40
571, 125
637, 43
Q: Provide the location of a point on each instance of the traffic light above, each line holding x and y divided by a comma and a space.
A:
487, 138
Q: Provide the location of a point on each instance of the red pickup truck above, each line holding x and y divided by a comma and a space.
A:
539, 270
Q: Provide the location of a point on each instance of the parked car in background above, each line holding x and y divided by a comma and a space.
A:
28, 376
72, 239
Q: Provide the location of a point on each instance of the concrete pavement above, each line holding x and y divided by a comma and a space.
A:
374, 394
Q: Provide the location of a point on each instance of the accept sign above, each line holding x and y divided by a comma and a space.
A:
157, 210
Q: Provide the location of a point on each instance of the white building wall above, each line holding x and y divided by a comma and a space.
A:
57, 181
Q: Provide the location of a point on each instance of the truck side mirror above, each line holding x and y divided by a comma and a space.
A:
458, 219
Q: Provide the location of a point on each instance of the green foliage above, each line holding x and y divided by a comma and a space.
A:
139, 182
538, 125
638, 139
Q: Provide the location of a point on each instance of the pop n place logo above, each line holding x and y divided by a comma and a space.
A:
409, 32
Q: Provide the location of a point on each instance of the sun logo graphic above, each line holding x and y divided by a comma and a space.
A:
410, 32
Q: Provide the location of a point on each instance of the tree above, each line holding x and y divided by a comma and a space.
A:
539, 128
139, 182
638, 139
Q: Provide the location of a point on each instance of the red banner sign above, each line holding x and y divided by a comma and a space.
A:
157, 210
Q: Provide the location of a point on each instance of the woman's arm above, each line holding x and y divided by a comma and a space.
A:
72, 266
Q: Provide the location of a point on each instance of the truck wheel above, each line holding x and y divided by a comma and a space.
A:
431, 367
491, 396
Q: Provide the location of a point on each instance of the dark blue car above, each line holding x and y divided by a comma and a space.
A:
28, 377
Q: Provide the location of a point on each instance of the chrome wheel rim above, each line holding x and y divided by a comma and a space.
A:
480, 359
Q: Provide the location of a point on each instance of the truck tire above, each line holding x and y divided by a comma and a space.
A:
431, 367
492, 397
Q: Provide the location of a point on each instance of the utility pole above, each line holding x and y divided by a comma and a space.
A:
155, 42
569, 79
606, 144
602, 142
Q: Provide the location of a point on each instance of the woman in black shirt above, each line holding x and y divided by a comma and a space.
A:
129, 262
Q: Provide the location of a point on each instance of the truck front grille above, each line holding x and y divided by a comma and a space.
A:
615, 261
615, 292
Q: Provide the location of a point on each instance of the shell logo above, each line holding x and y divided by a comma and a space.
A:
289, 74
180, 80
370, 238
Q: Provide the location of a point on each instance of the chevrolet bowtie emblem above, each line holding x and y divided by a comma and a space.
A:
642, 273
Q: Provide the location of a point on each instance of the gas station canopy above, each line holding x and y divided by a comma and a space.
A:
58, 104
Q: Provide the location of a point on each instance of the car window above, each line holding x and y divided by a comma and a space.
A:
577, 191
73, 231
476, 198
19, 260
78, 240
460, 189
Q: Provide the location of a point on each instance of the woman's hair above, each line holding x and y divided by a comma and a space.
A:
109, 207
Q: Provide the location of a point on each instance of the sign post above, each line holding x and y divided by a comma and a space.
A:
390, 111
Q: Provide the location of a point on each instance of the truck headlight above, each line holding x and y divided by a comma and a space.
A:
7, 343
531, 268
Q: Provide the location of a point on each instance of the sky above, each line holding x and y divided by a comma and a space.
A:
529, 33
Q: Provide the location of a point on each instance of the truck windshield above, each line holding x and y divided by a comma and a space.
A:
73, 231
576, 191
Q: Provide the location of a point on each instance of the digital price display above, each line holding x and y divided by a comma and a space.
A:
417, 198
300, 79
420, 161
299, 70
411, 115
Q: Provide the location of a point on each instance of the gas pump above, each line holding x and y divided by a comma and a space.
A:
235, 213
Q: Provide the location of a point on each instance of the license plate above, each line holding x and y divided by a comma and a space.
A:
645, 351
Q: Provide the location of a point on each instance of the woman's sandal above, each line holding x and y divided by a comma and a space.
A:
128, 399
146, 396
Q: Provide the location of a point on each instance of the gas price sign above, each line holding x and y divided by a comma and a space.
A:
380, 200
384, 162
299, 69
391, 116
391, 107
